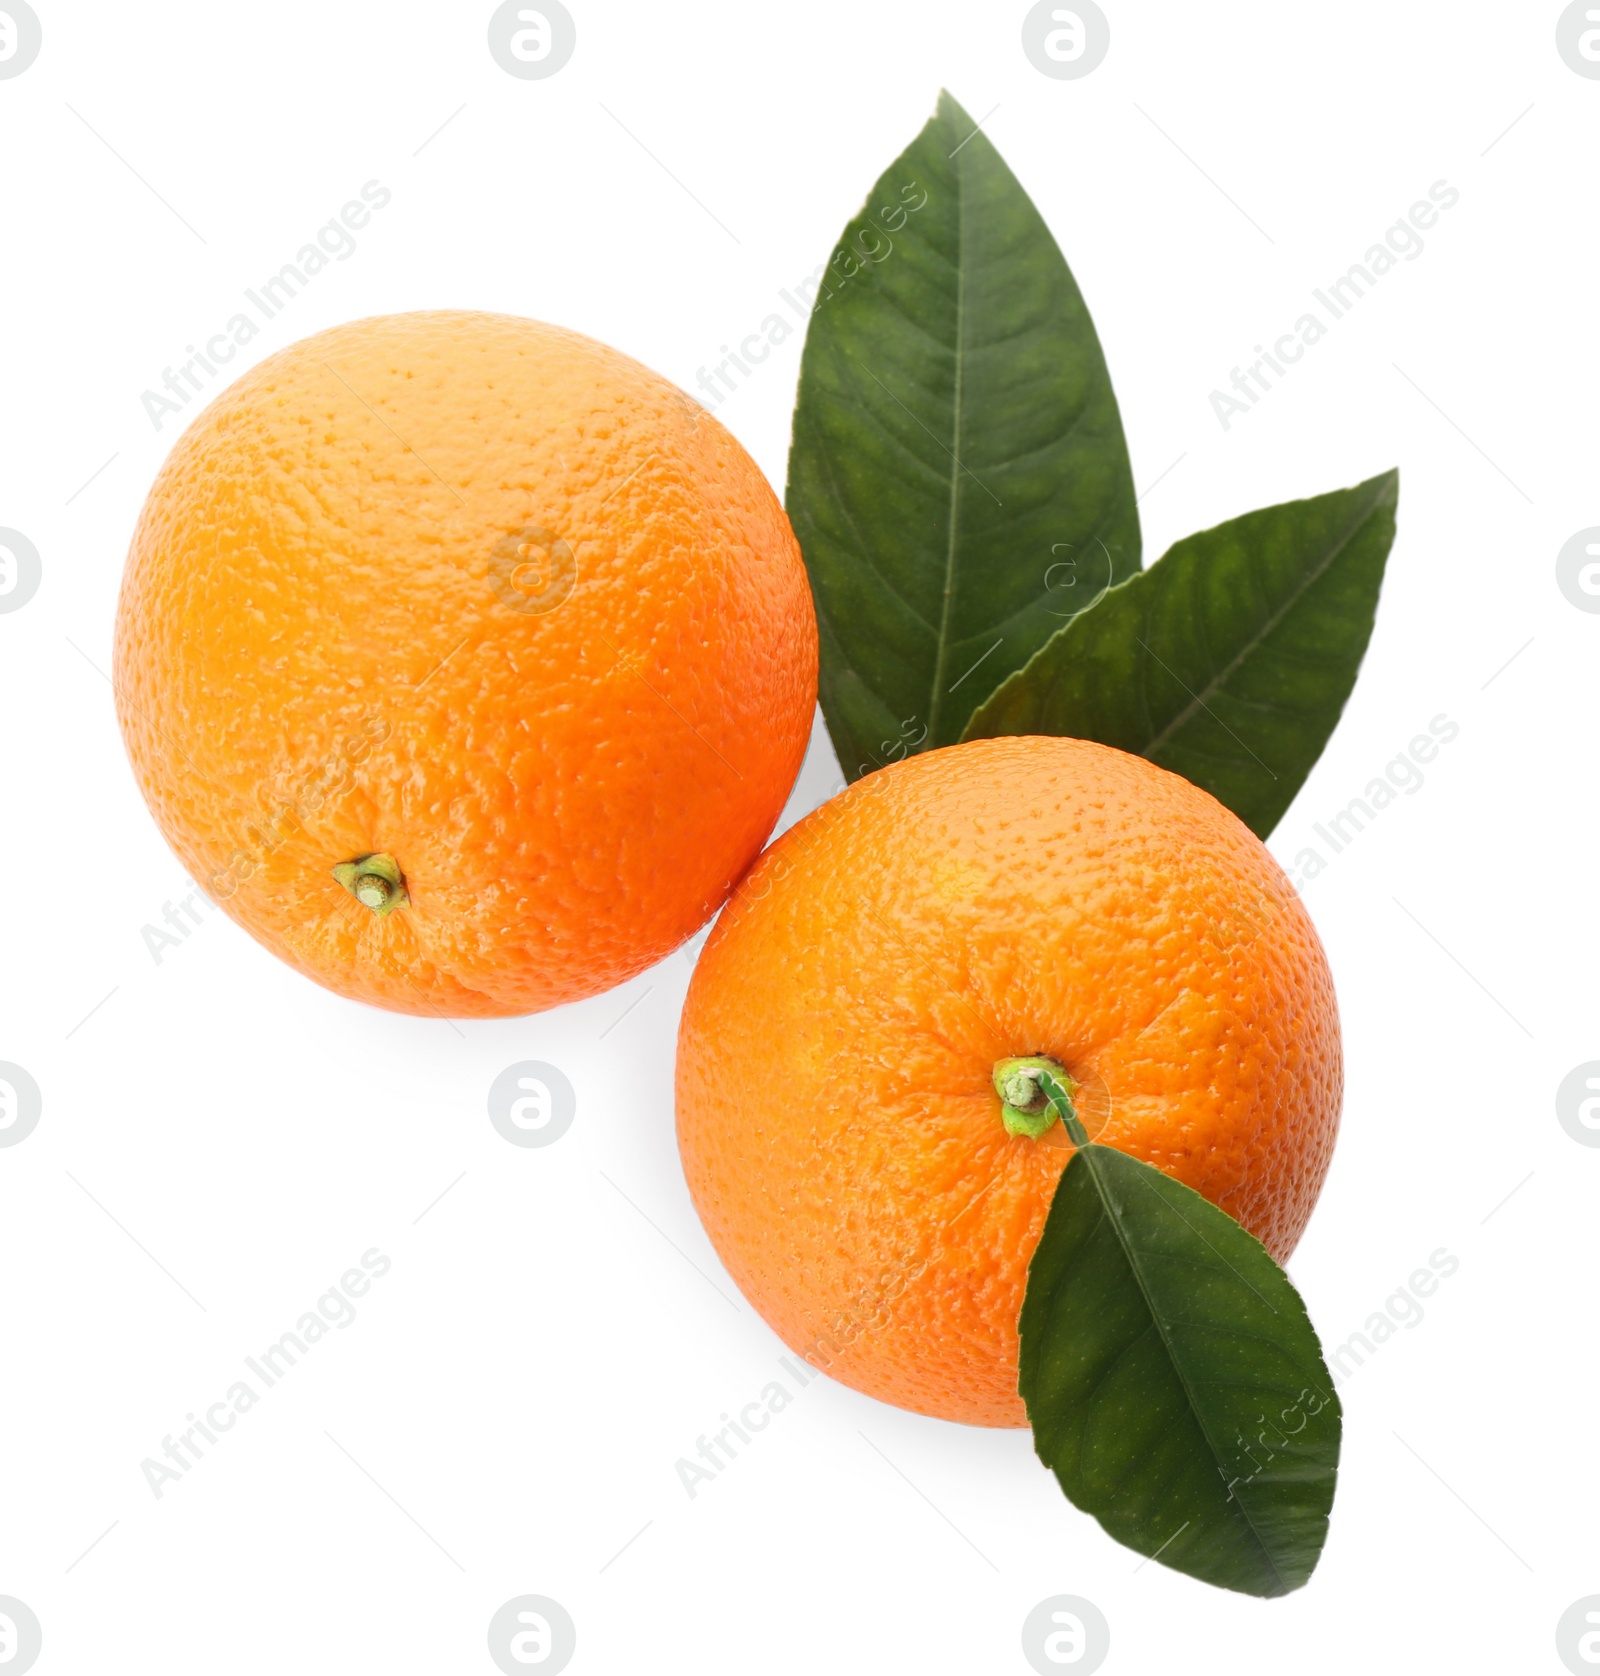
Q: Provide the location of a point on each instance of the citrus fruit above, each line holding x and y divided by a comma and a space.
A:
838, 1116
466, 662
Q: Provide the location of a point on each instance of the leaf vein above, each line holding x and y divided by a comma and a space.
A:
1306, 582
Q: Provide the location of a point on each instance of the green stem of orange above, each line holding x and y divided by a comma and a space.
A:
1034, 1092
375, 881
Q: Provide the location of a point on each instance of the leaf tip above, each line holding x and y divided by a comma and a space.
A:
949, 108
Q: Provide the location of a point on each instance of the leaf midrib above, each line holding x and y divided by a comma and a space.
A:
1087, 1154
955, 457
860, 549
1198, 700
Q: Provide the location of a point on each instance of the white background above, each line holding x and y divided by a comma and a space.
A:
221, 1139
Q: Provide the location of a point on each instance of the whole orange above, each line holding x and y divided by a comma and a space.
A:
464, 660
838, 1122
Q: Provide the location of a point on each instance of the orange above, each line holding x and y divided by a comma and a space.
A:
489, 618
837, 1115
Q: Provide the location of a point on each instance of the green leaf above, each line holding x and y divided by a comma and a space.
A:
1229, 660
1175, 1385
958, 477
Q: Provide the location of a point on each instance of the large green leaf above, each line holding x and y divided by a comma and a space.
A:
1229, 660
958, 477
1173, 1380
